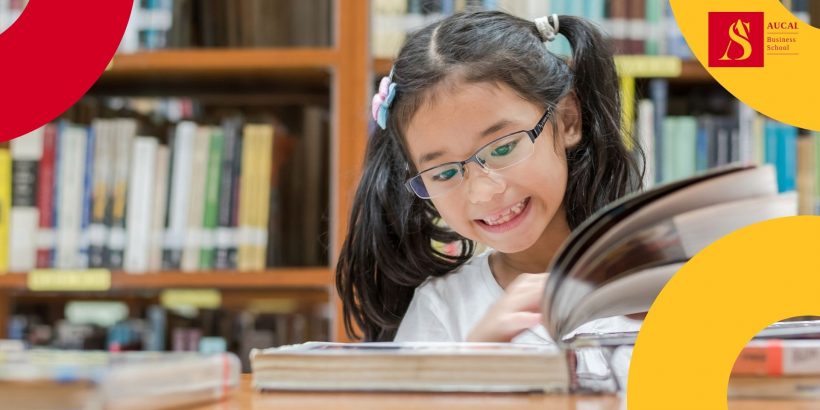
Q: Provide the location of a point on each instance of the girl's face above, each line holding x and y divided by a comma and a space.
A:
510, 209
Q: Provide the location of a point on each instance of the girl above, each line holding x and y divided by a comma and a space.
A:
510, 146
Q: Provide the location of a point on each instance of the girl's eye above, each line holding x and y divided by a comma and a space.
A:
445, 175
504, 149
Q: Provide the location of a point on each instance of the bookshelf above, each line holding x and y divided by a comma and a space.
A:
338, 74
692, 71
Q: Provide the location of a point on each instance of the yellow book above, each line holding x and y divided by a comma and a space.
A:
5, 208
265, 139
246, 188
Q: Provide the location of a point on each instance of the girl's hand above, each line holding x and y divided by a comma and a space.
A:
518, 310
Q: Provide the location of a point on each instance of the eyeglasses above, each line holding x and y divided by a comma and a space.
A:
499, 154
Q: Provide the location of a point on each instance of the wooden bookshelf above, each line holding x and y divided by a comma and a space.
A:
339, 75
284, 278
692, 71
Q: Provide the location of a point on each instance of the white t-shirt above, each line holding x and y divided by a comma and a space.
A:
446, 308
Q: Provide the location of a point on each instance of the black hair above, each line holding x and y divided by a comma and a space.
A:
388, 250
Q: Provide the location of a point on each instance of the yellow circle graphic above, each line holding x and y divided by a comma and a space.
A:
785, 87
719, 300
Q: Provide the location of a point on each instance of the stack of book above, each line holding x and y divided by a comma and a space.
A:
46, 380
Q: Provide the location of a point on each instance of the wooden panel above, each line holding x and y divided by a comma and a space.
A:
350, 118
273, 278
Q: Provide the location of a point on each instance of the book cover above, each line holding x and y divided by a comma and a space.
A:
26, 153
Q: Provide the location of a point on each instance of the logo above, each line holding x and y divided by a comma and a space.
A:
736, 39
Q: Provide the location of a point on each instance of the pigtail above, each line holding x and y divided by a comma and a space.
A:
601, 168
388, 248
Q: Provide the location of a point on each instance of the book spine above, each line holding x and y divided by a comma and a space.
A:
26, 153
159, 208
778, 358
245, 237
87, 198
140, 198
97, 229
233, 248
265, 152
45, 198
226, 180
115, 249
179, 195
71, 172
193, 238
212, 190
5, 208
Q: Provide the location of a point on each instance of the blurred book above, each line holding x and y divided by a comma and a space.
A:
438, 367
51, 379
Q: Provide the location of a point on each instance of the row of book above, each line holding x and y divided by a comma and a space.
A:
159, 24
10, 10
679, 146
103, 196
108, 326
635, 26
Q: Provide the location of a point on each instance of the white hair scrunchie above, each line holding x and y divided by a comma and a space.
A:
548, 30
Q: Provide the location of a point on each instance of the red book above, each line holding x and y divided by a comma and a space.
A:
45, 199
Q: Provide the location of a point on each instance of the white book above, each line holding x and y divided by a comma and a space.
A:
26, 153
140, 200
101, 190
179, 194
159, 209
196, 208
646, 136
69, 196
125, 131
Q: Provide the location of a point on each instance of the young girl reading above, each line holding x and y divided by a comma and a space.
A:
482, 128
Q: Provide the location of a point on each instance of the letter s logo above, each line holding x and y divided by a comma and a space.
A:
739, 33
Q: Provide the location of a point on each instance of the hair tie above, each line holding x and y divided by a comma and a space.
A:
383, 99
547, 29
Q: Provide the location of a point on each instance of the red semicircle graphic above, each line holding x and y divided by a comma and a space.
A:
52, 55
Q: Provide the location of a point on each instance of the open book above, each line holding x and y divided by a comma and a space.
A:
51, 379
617, 262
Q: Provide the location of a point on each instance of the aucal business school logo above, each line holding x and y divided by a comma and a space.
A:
736, 39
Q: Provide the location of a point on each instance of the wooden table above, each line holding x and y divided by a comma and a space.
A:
246, 398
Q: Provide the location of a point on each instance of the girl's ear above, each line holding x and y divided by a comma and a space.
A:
569, 120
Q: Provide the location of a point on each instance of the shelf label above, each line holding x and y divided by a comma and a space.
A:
648, 66
191, 298
94, 280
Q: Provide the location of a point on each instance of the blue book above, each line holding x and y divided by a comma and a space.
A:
786, 158
88, 182
659, 93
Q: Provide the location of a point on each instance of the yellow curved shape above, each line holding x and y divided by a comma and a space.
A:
785, 87
719, 300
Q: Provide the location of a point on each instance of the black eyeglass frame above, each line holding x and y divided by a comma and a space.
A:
532, 134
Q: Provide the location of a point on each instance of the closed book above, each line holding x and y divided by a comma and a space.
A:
45, 199
141, 181
179, 194
225, 231
26, 153
47, 379
210, 215
102, 184
196, 201
5, 208
159, 209
126, 131
432, 367
69, 196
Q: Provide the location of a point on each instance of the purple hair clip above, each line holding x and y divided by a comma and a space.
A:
383, 99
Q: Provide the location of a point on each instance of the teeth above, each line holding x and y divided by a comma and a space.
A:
507, 215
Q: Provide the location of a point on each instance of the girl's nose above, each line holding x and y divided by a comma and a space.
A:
482, 184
